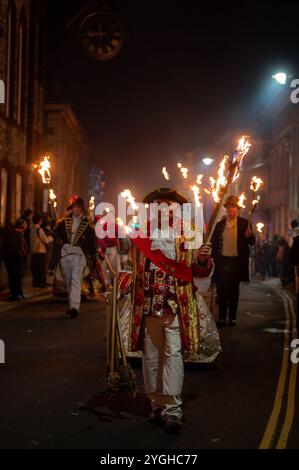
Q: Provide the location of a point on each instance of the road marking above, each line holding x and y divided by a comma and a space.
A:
290, 412
272, 423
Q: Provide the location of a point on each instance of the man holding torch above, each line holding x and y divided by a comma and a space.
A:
166, 310
231, 240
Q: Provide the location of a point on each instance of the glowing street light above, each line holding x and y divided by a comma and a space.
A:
208, 161
280, 77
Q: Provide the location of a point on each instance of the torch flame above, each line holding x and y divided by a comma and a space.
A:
179, 165
44, 168
242, 198
52, 195
260, 226
221, 180
184, 172
92, 203
238, 156
165, 173
196, 193
199, 179
130, 199
255, 184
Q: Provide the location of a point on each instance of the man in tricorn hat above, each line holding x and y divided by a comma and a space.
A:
231, 240
166, 309
77, 242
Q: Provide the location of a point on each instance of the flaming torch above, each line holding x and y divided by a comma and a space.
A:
242, 198
44, 169
228, 173
254, 186
165, 173
53, 204
92, 206
259, 227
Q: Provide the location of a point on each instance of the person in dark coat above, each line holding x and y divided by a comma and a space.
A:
14, 250
230, 250
76, 240
294, 258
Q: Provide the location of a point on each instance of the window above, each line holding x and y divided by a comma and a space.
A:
3, 196
18, 195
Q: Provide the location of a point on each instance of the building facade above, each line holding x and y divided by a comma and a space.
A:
66, 141
21, 115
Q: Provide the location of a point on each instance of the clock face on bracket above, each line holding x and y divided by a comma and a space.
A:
101, 35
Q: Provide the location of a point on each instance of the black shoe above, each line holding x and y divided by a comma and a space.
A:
74, 312
233, 323
15, 298
173, 424
221, 323
68, 312
156, 418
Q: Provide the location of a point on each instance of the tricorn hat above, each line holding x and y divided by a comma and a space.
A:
232, 201
165, 193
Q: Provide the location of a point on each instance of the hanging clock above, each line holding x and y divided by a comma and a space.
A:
101, 35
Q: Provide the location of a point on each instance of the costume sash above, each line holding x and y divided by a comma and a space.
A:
176, 269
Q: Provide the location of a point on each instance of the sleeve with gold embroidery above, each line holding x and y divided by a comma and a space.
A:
125, 276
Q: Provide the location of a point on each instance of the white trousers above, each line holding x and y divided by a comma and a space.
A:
163, 365
73, 268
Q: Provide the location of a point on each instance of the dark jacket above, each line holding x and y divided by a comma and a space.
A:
14, 247
85, 238
242, 244
294, 252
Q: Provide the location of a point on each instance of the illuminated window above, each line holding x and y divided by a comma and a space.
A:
3, 196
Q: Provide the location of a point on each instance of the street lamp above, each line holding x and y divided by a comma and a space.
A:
280, 77
208, 161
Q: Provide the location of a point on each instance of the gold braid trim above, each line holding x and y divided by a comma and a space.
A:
82, 227
188, 309
68, 226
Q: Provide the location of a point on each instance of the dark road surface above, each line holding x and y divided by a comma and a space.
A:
53, 383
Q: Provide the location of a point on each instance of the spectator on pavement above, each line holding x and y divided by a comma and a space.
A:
39, 241
294, 258
14, 251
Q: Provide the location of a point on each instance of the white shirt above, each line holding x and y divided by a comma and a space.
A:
230, 238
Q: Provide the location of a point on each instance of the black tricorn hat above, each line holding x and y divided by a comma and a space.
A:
165, 193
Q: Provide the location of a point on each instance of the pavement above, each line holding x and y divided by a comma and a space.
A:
31, 294
53, 387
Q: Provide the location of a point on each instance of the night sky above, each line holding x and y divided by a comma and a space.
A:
189, 73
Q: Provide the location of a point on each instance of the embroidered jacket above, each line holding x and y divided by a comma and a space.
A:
179, 296
85, 237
